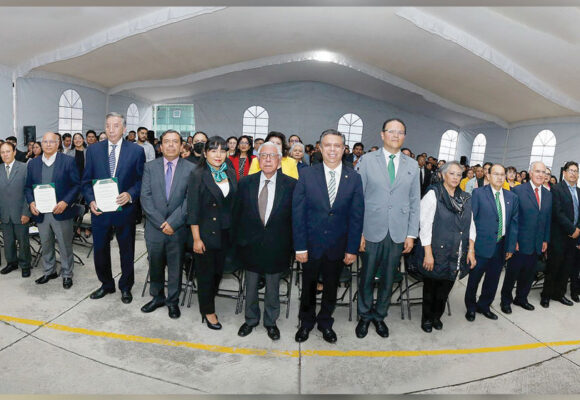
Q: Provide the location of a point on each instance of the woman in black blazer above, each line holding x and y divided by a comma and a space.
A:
210, 199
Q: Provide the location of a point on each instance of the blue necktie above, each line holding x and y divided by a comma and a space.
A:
575, 200
112, 160
168, 177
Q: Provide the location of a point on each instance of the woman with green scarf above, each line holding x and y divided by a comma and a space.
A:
210, 199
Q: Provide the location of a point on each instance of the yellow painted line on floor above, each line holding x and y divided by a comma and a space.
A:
292, 353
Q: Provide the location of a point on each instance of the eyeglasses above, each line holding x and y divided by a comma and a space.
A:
294, 141
497, 175
393, 132
265, 156
572, 171
244, 143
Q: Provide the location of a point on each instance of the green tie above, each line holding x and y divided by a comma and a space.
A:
391, 168
500, 215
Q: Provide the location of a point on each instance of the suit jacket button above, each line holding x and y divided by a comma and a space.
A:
214, 204
213, 233
331, 213
214, 218
325, 232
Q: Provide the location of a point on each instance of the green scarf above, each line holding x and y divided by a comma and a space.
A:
218, 174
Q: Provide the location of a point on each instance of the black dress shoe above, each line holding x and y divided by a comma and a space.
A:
427, 326
576, 298
216, 327
101, 292
9, 268
362, 328
545, 302
381, 328
152, 305
470, 316
564, 300
26, 273
126, 296
506, 308
525, 306
45, 278
328, 334
67, 283
173, 311
488, 314
245, 330
273, 332
302, 334
437, 324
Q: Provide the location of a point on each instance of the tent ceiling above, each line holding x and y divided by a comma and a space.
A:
499, 64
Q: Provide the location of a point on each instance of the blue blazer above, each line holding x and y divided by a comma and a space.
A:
66, 179
534, 223
129, 173
486, 221
325, 230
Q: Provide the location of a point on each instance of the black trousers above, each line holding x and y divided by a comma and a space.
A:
102, 236
521, 268
561, 262
435, 294
209, 270
330, 270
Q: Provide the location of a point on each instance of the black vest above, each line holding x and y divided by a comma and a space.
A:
450, 232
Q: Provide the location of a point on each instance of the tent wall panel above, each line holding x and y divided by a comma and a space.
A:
6, 124
37, 104
120, 104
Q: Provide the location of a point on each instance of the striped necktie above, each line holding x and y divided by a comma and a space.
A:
112, 160
500, 215
332, 188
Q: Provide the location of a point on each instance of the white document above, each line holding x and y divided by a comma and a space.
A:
106, 192
45, 198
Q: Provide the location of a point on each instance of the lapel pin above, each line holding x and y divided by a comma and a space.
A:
346, 176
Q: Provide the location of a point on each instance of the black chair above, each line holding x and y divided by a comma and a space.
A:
538, 282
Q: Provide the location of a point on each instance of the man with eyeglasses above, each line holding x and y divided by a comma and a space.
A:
495, 214
535, 213
61, 172
263, 233
562, 251
392, 195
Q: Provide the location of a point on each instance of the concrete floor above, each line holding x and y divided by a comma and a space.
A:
107, 347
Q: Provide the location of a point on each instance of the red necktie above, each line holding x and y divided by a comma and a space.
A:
537, 196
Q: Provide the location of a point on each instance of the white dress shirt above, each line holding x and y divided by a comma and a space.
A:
396, 160
539, 191
337, 174
224, 187
117, 153
502, 203
271, 192
427, 215
50, 160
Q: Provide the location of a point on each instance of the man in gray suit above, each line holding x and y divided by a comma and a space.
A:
392, 195
14, 212
163, 199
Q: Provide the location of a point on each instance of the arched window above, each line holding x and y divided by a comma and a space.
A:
255, 122
448, 145
352, 127
544, 147
132, 117
70, 112
478, 150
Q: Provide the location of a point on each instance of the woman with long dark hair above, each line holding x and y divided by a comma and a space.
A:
210, 199
232, 144
288, 164
243, 157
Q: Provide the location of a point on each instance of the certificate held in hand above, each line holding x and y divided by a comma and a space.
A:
44, 197
106, 192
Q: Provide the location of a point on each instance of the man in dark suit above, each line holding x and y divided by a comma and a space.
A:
327, 218
61, 171
565, 230
391, 190
123, 160
15, 213
164, 203
495, 215
263, 224
424, 174
357, 152
535, 213
20, 155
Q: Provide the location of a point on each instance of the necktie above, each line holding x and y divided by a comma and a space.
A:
391, 169
263, 201
112, 160
575, 199
168, 178
500, 215
537, 196
7, 171
332, 188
